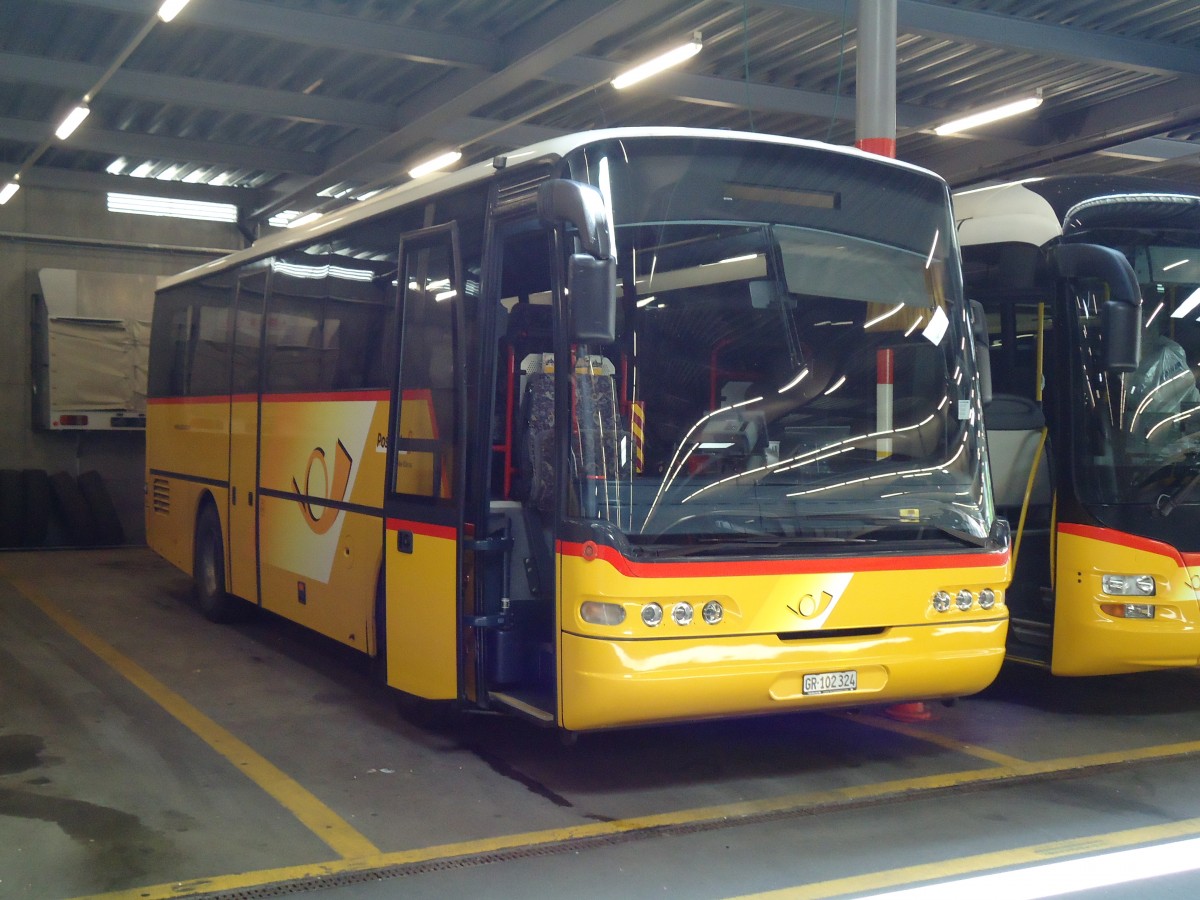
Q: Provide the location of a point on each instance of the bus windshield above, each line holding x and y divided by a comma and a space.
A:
1141, 430
792, 365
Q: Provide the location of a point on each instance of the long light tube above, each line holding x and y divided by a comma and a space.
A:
983, 117
170, 9
658, 64
73, 120
433, 165
6, 192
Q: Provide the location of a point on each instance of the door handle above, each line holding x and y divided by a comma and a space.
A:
404, 541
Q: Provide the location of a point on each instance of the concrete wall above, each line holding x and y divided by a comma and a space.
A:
45, 228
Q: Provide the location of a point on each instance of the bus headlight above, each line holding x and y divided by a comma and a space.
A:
652, 614
713, 612
596, 613
682, 613
941, 601
1128, 585
964, 599
987, 598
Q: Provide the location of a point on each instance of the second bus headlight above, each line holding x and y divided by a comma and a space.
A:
1128, 585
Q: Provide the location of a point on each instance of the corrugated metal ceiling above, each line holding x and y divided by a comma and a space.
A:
281, 104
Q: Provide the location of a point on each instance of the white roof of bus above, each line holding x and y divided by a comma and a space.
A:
1005, 213
418, 189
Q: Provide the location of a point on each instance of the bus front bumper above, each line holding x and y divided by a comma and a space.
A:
612, 683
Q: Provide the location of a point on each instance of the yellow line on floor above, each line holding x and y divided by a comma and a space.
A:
726, 814
983, 862
929, 737
312, 813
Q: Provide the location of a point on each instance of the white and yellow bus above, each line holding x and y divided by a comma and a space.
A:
1100, 462
631, 426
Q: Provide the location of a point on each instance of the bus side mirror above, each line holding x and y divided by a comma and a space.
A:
983, 350
592, 275
592, 293
1121, 315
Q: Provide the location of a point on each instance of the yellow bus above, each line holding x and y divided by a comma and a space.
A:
631, 426
1099, 461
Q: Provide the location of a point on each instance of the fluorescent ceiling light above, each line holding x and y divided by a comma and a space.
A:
73, 120
651, 67
177, 209
116, 167
170, 9
433, 165
304, 220
983, 117
6, 193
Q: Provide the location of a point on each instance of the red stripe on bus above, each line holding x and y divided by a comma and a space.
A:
1122, 539
327, 397
428, 529
169, 401
314, 397
778, 566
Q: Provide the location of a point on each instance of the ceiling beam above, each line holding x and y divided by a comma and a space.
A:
1018, 148
942, 20
158, 147
733, 93
563, 30
352, 34
78, 77
100, 182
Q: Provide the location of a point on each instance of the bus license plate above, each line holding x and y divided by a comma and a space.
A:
831, 683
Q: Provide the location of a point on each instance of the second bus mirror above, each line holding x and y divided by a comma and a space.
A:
592, 299
1122, 336
1122, 312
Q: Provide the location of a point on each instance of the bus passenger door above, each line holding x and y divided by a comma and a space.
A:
423, 504
243, 436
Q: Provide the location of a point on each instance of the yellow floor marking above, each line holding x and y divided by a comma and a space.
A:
729, 813
315, 815
973, 865
929, 737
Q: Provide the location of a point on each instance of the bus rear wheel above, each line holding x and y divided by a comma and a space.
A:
208, 569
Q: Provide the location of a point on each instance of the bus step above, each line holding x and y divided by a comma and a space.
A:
525, 707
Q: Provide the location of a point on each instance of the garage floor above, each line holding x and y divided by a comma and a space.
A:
146, 753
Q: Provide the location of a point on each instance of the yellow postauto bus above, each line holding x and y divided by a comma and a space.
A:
1101, 463
632, 426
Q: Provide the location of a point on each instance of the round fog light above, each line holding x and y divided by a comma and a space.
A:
712, 612
964, 599
941, 601
987, 598
652, 614
682, 613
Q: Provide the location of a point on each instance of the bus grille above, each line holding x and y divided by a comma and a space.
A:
160, 496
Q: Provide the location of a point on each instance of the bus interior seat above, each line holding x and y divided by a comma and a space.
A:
1014, 426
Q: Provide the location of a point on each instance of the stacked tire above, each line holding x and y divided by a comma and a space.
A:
31, 502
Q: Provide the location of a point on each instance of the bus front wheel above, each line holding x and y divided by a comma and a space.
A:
208, 569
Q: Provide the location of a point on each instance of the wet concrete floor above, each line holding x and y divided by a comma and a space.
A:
145, 752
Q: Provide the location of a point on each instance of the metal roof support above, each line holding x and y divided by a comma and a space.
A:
875, 106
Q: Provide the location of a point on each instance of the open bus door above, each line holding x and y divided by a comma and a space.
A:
422, 591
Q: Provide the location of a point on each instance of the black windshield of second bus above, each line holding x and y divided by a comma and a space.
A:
1140, 431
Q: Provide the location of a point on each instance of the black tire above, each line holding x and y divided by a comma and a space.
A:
108, 524
12, 509
38, 499
208, 569
73, 509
